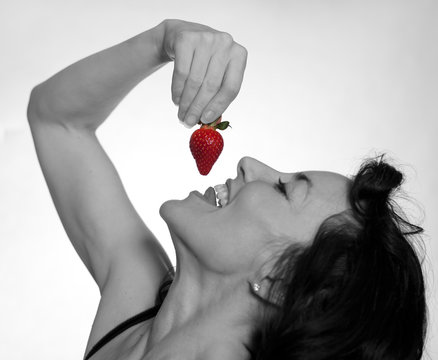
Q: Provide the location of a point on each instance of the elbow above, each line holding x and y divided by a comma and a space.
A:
35, 106
47, 106
43, 106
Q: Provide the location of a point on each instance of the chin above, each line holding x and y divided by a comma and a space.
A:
176, 215
173, 212
167, 208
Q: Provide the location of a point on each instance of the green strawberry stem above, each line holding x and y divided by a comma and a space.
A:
223, 125
217, 121
216, 125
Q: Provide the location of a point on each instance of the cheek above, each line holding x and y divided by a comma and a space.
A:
308, 221
275, 218
248, 225
235, 243
264, 214
229, 241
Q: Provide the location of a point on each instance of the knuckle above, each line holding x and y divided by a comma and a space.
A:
244, 51
176, 98
207, 37
179, 73
231, 91
182, 36
193, 82
241, 51
176, 94
181, 112
222, 102
226, 38
212, 85
195, 109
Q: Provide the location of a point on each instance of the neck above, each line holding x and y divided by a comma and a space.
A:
205, 315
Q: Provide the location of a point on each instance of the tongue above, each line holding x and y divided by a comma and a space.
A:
210, 196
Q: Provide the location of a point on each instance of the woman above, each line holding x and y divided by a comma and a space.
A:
309, 265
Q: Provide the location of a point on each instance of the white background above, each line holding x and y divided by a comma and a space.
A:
328, 83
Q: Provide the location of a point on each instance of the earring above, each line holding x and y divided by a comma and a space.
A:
256, 287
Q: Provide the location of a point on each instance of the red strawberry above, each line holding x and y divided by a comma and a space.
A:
206, 145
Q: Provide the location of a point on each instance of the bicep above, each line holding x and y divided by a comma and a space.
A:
90, 199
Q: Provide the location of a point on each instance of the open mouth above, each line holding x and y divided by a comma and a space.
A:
222, 194
217, 196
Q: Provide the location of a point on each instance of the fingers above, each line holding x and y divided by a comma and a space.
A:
208, 89
183, 61
229, 89
207, 77
192, 85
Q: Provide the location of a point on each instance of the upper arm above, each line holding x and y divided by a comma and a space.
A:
101, 222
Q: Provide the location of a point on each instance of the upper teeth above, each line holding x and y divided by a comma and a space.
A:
222, 194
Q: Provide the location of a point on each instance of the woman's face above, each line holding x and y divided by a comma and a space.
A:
257, 217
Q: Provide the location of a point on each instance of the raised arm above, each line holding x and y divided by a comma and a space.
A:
63, 114
123, 256
85, 93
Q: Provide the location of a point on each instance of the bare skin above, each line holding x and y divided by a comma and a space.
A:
209, 312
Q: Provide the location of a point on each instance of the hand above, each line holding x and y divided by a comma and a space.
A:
208, 70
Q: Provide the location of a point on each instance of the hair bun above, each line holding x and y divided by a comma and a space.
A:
374, 183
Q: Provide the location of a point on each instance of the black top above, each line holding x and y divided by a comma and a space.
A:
136, 319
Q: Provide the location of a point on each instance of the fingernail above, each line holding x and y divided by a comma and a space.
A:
209, 116
191, 120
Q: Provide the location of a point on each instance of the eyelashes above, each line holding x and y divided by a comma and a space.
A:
280, 186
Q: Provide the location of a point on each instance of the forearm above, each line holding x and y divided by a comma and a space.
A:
86, 92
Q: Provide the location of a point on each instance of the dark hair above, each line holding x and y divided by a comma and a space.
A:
357, 291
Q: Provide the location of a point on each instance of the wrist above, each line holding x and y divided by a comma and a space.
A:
169, 30
147, 47
158, 35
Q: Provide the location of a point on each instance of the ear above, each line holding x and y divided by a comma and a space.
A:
260, 288
262, 281
267, 291
264, 286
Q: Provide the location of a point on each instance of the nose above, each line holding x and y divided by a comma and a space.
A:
251, 169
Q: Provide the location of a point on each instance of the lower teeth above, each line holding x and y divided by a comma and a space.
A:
222, 202
221, 197
218, 202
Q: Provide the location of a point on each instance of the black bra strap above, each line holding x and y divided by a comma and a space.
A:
136, 319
